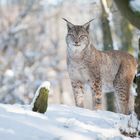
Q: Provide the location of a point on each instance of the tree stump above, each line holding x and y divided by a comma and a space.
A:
40, 101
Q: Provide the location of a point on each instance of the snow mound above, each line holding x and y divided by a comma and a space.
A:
61, 122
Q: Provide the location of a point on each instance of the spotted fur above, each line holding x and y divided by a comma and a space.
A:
103, 71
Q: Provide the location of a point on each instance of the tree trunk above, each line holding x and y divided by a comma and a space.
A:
134, 18
137, 100
128, 13
108, 45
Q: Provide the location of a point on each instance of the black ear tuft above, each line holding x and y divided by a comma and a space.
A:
65, 19
86, 25
69, 24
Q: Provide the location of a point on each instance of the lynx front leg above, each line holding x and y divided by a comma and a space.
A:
97, 95
77, 87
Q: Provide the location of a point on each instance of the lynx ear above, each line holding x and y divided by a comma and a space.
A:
86, 25
69, 24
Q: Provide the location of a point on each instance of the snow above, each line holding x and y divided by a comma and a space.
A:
138, 75
51, 2
129, 124
135, 5
9, 73
57, 2
61, 122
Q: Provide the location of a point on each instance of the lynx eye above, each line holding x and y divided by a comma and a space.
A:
82, 37
71, 35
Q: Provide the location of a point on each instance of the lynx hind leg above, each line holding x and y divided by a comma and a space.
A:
122, 86
124, 101
132, 99
131, 102
78, 93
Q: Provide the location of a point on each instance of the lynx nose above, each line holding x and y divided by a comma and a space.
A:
76, 43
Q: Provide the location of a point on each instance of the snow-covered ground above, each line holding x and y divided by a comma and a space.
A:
61, 122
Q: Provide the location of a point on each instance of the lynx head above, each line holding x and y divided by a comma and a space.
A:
77, 38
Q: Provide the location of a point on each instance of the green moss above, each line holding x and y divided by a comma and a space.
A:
137, 13
41, 102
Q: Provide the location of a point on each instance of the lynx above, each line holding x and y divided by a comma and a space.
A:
102, 70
